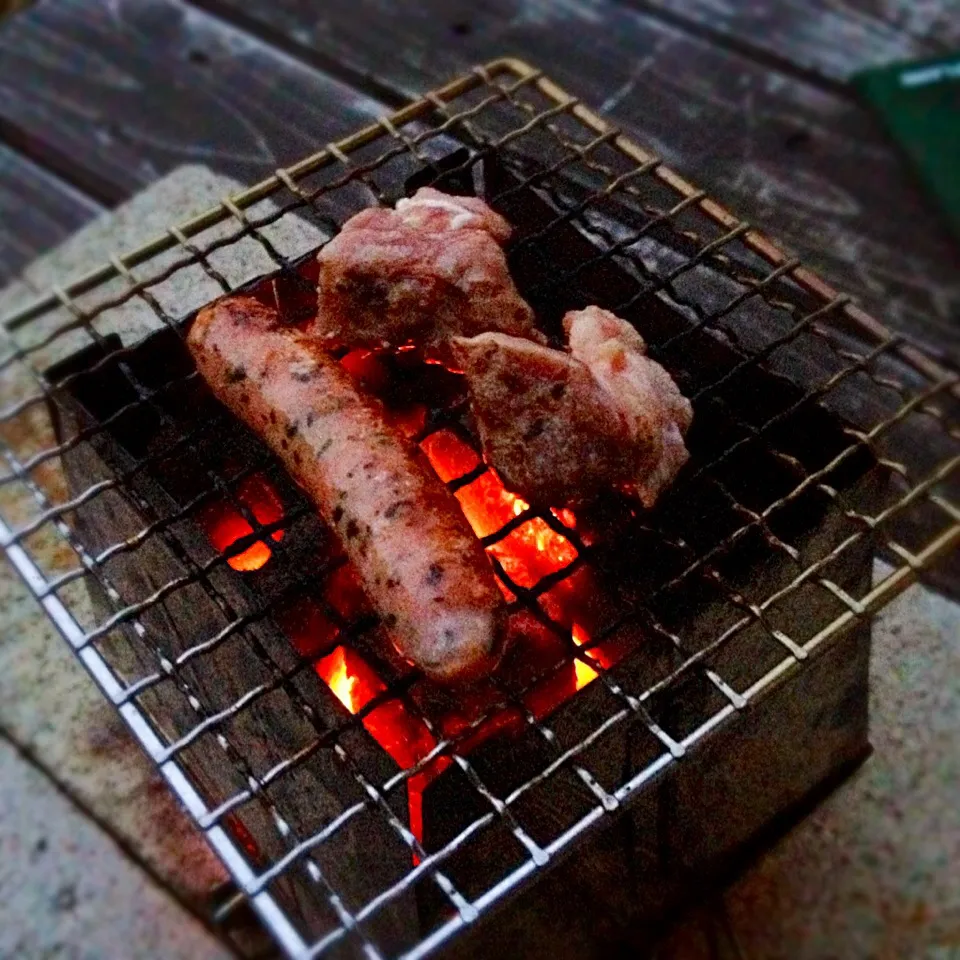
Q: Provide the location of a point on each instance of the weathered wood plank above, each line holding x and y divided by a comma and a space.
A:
37, 211
934, 20
124, 91
806, 164
830, 38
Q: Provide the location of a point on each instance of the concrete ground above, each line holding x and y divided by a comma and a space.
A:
66, 890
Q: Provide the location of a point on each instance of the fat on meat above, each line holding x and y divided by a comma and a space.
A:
430, 269
423, 569
560, 427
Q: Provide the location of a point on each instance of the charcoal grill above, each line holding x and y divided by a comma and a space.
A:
689, 679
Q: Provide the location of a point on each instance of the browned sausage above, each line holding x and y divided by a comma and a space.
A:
422, 567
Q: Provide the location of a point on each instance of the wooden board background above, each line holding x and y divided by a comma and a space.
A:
748, 100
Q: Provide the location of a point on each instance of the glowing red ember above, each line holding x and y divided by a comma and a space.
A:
355, 684
225, 524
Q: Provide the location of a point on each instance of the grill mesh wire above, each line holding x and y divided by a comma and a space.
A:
509, 107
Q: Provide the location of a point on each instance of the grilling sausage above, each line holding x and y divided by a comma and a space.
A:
422, 568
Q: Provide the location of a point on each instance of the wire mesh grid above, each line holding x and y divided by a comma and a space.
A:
227, 691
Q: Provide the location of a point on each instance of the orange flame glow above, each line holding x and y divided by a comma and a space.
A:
527, 554
355, 684
225, 525
226, 531
585, 673
403, 735
344, 685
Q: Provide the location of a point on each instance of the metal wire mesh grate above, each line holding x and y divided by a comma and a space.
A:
820, 436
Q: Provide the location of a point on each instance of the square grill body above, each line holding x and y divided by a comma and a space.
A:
694, 777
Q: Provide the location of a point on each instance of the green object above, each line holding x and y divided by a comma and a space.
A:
919, 104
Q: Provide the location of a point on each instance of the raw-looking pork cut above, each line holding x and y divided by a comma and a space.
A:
422, 567
429, 270
561, 427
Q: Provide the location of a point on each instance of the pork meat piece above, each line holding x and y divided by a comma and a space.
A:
545, 425
431, 269
560, 427
659, 414
420, 564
